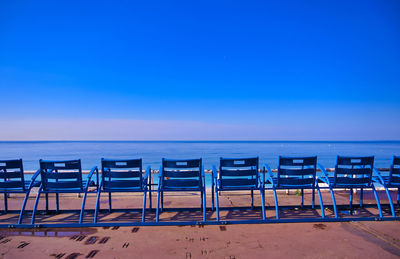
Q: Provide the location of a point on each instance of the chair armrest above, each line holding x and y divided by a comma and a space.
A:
214, 172
378, 175
35, 175
325, 176
147, 176
270, 175
94, 169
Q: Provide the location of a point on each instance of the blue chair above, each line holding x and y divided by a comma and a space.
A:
297, 173
181, 176
123, 176
390, 181
12, 180
63, 177
350, 173
237, 174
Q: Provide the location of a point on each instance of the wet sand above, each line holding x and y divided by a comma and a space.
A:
313, 240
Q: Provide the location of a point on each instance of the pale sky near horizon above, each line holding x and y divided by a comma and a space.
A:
207, 70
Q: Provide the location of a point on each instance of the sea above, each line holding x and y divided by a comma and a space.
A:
91, 152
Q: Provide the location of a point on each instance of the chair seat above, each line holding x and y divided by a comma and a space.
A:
127, 189
343, 185
233, 188
182, 189
71, 190
392, 184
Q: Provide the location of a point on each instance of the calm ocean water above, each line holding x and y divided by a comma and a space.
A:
152, 151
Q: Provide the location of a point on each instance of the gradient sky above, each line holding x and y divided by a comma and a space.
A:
200, 70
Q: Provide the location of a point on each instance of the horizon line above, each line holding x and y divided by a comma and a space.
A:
161, 140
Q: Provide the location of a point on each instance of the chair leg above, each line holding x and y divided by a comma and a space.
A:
47, 203
109, 202
212, 194
162, 201
57, 203
217, 203
252, 199
5, 202
35, 207
313, 198
262, 203
398, 197
23, 206
83, 207
204, 205
201, 199
96, 211
351, 201
144, 206
377, 201
390, 201
302, 198
334, 202
361, 197
150, 198
158, 206
321, 204
276, 203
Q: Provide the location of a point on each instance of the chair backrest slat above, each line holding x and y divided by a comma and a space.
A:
238, 172
182, 173
57, 175
353, 171
394, 177
12, 174
297, 171
122, 174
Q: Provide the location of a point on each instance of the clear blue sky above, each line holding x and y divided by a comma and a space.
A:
265, 70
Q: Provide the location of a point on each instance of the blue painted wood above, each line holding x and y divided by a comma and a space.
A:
11, 172
394, 176
123, 175
351, 173
348, 169
295, 173
181, 175
62, 176
237, 174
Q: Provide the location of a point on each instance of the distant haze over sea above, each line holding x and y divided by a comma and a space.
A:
152, 151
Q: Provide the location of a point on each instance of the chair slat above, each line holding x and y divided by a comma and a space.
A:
238, 182
9, 175
122, 184
396, 160
352, 181
368, 160
121, 174
178, 183
191, 163
130, 163
11, 184
297, 161
182, 174
11, 164
394, 180
295, 181
61, 175
238, 172
238, 162
63, 185
296, 172
354, 171
60, 165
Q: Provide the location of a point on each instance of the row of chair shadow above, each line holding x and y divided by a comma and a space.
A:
236, 174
